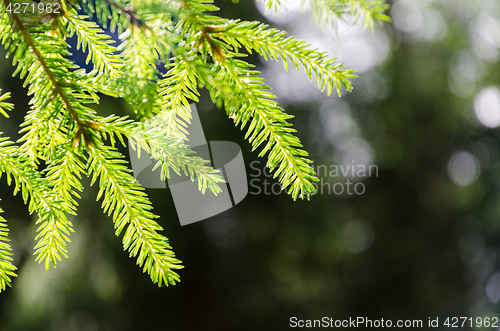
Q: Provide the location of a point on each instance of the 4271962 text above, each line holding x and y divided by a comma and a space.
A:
33, 8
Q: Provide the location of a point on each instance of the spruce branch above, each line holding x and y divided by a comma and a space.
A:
274, 44
169, 152
251, 100
41, 133
26, 59
65, 171
325, 12
370, 12
126, 201
5, 106
92, 38
7, 268
40, 57
37, 193
140, 84
113, 14
147, 42
179, 84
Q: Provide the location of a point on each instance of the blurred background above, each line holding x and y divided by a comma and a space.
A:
421, 241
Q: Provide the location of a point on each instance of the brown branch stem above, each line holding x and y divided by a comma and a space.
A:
57, 88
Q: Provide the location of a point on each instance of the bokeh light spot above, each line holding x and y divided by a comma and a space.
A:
463, 168
487, 107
